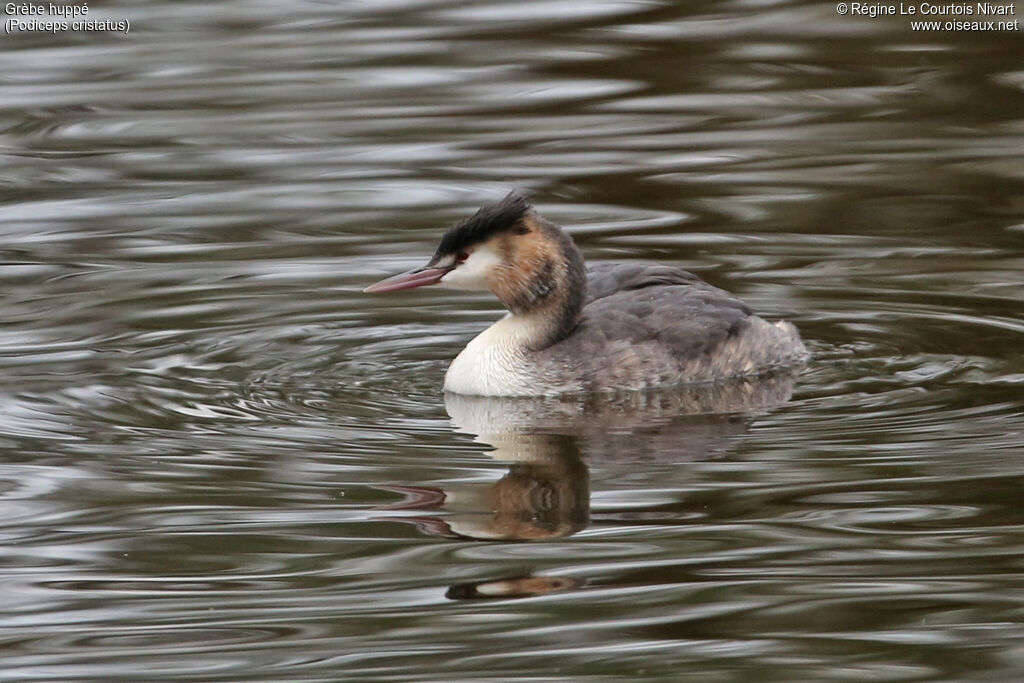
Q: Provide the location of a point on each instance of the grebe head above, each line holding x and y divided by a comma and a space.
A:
509, 250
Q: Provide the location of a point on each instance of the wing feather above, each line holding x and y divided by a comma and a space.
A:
642, 303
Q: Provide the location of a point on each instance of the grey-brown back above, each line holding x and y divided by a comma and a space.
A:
645, 325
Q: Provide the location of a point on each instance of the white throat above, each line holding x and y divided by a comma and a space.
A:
495, 362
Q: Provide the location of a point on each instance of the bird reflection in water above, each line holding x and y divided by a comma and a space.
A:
545, 494
513, 587
549, 444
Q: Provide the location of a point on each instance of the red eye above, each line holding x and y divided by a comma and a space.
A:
461, 256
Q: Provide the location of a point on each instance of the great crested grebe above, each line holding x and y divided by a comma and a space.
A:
572, 329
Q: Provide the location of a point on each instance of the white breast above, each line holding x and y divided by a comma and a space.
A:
495, 362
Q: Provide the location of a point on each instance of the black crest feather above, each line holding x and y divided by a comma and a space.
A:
489, 221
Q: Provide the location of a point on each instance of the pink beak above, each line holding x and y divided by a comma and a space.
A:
417, 277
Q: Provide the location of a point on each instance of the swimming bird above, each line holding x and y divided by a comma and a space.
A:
573, 329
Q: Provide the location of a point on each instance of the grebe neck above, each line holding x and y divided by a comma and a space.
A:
545, 298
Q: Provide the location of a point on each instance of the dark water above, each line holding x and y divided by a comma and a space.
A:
220, 461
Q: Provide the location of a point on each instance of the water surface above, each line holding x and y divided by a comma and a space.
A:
220, 461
